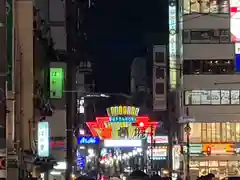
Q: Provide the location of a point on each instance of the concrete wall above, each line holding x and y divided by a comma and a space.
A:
210, 113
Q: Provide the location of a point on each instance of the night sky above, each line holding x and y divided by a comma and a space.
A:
116, 31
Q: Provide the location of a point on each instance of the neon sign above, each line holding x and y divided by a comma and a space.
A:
88, 140
123, 111
105, 129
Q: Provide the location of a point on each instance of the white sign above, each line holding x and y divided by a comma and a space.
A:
43, 139
158, 139
186, 119
123, 143
237, 48
172, 24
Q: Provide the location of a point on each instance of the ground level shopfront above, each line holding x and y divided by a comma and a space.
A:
219, 159
221, 166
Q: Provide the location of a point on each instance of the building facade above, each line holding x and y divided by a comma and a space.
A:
210, 85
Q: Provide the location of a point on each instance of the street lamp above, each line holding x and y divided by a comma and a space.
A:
187, 130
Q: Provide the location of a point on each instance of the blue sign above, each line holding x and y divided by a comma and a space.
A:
88, 140
122, 119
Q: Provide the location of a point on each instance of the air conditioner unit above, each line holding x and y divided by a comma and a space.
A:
224, 38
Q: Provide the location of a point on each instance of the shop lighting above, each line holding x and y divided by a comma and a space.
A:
122, 143
60, 166
56, 173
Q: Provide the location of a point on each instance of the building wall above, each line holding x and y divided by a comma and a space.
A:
57, 123
199, 21
212, 45
218, 112
208, 51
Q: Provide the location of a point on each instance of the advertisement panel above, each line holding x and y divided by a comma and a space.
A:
235, 20
43, 139
123, 143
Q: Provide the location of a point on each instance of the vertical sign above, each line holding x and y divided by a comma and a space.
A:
10, 43
172, 44
43, 139
235, 20
56, 83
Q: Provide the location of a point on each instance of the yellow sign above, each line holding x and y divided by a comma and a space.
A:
123, 111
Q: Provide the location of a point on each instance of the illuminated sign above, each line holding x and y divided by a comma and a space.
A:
56, 83
235, 20
158, 139
194, 148
123, 111
159, 153
88, 140
172, 44
122, 119
123, 143
105, 129
43, 139
219, 148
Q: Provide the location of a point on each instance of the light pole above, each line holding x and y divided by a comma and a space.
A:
187, 130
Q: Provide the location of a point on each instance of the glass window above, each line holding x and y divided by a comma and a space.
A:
204, 132
223, 6
225, 97
205, 97
213, 129
188, 97
206, 6
160, 88
196, 97
209, 132
159, 57
234, 96
160, 73
228, 129
215, 96
187, 67
224, 132
196, 66
238, 132
218, 132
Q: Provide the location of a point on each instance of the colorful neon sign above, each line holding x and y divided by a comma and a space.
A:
105, 129
88, 140
123, 111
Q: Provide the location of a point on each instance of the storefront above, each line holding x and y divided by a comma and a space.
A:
219, 159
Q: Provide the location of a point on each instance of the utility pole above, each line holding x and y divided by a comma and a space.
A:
70, 95
3, 76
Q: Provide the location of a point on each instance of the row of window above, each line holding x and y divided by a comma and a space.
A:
208, 67
206, 6
215, 132
206, 36
212, 97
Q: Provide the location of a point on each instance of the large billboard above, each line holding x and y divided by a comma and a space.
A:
122, 122
235, 20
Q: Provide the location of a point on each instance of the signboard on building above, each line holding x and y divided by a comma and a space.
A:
88, 140
43, 139
235, 20
122, 122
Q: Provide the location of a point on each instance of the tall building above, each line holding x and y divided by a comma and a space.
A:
201, 44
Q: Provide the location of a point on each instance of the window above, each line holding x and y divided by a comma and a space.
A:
214, 132
160, 73
206, 36
208, 67
160, 57
206, 6
160, 88
212, 97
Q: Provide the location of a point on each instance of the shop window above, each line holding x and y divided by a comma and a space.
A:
208, 67
206, 6
212, 97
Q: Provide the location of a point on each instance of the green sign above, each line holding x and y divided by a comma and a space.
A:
9, 43
56, 83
